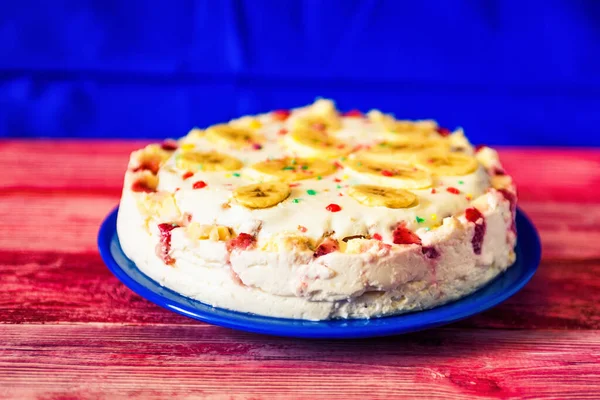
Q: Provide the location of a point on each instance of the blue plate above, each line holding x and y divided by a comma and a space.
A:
504, 286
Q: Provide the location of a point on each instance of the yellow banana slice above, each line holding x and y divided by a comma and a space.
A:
446, 164
262, 195
398, 175
290, 169
237, 137
321, 115
195, 161
402, 129
307, 142
379, 196
402, 150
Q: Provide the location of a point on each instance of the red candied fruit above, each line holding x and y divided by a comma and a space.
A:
328, 245
199, 185
281, 115
452, 190
443, 131
403, 235
169, 145
473, 214
377, 236
187, 175
141, 186
242, 242
353, 113
333, 207
283, 132
386, 172
256, 146
148, 165
164, 246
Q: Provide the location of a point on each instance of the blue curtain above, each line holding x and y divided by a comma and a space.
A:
508, 71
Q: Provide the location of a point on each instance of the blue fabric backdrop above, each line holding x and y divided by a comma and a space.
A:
509, 71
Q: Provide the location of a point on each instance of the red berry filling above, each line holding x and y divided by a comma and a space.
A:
199, 185
333, 208
403, 235
430, 252
164, 245
475, 216
512, 199
327, 246
242, 242
281, 115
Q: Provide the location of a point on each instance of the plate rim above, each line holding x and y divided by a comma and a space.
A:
329, 329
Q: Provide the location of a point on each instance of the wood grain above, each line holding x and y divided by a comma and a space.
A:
562, 295
153, 361
69, 329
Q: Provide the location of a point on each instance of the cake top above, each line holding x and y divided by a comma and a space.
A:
314, 172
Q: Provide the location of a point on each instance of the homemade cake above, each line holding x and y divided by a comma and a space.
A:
315, 214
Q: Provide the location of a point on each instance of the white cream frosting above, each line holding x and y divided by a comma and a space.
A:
384, 278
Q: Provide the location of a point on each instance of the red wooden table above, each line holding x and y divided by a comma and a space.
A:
69, 329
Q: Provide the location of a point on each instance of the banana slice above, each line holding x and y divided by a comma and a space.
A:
402, 150
401, 129
262, 195
227, 136
446, 164
195, 161
290, 169
398, 175
321, 115
307, 142
379, 196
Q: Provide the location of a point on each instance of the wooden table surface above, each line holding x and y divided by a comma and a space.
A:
69, 329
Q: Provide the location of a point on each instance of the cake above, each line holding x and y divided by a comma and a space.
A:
316, 214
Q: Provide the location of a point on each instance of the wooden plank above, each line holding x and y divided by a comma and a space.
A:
50, 361
56, 287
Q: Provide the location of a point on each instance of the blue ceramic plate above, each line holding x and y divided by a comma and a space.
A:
504, 286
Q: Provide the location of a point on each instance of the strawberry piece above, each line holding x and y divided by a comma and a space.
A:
327, 246
281, 115
333, 207
242, 242
403, 235
512, 199
199, 185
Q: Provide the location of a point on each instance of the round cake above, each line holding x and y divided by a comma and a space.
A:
316, 214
